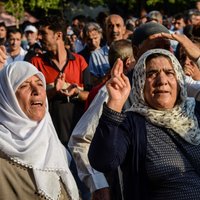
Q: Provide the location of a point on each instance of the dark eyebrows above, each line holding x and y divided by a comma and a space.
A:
157, 70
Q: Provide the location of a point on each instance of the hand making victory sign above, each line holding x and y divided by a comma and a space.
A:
118, 87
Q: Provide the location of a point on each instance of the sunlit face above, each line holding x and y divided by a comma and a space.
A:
115, 28
31, 37
31, 96
93, 40
47, 39
3, 32
179, 24
15, 41
161, 87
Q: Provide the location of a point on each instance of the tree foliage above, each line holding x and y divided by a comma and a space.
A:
17, 7
184, 2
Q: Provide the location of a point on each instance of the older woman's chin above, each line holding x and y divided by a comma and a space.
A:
161, 102
162, 105
36, 115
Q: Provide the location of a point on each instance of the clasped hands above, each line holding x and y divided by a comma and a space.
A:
67, 89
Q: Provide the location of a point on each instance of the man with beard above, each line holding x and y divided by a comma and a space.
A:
98, 63
65, 74
66, 77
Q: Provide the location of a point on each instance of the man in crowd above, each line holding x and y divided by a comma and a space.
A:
92, 35
98, 64
33, 46
3, 33
14, 50
66, 77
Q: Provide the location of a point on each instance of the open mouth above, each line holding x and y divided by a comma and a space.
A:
37, 103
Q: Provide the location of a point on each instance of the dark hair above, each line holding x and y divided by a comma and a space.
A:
192, 32
13, 31
180, 16
3, 24
54, 23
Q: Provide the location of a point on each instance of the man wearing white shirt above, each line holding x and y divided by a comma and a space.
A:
14, 51
98, 63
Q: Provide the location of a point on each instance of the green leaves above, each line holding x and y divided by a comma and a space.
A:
17, 7
153, 2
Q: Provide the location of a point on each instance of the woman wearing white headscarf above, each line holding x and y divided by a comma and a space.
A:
157, 141
33, 162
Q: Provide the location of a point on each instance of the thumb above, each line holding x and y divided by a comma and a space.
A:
2, 55
3, 49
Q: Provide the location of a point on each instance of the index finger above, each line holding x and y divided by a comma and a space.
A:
3, 51
117, 69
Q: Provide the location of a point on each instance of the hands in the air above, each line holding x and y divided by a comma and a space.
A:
118, 87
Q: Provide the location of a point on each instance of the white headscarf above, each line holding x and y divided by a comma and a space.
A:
181, 118
30, 143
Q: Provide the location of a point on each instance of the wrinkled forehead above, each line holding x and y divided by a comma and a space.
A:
36, 77
20, 71
153, 57
156, 53
115, 19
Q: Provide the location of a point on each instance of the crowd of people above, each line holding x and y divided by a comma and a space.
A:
101, 109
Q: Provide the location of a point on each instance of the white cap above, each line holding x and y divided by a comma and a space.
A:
31, 28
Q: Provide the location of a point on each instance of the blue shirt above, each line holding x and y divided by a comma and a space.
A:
98, 63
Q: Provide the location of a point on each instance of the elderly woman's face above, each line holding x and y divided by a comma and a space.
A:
161, 87
31, 96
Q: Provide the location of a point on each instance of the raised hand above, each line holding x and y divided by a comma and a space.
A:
2, 56
118, 87
190, 48
189, 70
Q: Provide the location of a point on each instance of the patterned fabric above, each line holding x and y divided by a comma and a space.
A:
172, 165
181, 118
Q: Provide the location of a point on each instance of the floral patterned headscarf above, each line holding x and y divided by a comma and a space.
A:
181, 118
